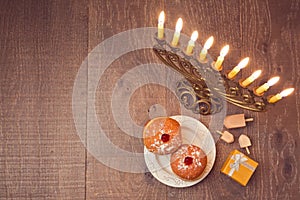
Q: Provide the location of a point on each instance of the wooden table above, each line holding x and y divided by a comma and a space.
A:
43, 45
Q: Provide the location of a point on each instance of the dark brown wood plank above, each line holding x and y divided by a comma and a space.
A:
270, 33
42, 45
103, 182
246, 27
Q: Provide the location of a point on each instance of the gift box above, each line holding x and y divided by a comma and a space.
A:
239, 167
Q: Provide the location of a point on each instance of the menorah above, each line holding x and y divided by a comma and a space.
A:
205, 88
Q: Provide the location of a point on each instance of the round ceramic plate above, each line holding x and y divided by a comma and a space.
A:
193, 132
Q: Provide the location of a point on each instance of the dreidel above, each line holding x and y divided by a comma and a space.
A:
236, 121
245, 142
226, 136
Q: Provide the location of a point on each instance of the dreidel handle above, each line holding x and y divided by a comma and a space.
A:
249, 120
220, 132
247, 149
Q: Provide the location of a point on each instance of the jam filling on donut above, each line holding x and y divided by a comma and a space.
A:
165, 137
188, 160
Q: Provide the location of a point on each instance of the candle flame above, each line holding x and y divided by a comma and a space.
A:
194, 36
243, 63
287, 92
209, 42
179, 25
224, 51
256, 74
273, 81
161, 18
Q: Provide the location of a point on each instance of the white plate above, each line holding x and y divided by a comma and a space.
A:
193, 132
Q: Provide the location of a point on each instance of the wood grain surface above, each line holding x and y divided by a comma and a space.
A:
43, 44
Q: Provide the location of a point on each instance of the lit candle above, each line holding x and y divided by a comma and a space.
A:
223, 53
251, 78
237, 68
191, 44
161, 20
177, 32
261, 89
207, 46
280, 95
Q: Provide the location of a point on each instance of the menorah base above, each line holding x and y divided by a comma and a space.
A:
204, 90
196, 98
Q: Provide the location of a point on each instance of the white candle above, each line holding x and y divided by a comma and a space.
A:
206, 46
280, 95
237, 68
176, 35
223, 53
251, 78
161, 21
261, 89
191, 44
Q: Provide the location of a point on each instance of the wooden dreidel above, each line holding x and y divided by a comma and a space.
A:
226, 136
245, 142
236, 121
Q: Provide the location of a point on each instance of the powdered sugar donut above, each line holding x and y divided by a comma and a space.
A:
188, 162
162, 135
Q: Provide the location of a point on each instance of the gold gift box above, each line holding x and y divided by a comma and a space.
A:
239, 167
